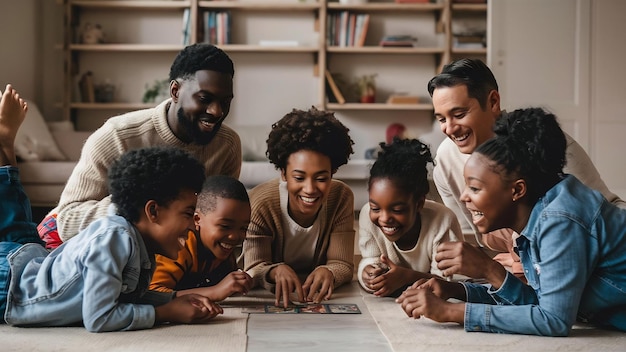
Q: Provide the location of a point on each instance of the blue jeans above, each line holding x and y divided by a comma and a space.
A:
16, 225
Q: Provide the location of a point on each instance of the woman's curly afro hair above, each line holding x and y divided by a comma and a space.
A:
314, 130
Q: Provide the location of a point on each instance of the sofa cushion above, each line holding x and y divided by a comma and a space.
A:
45, 172
253, 141
33, 140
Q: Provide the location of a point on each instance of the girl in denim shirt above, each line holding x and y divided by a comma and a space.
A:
572, 242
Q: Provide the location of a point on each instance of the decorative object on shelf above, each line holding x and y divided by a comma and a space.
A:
105, 92
393, 130
87, 91
401, 40
92, 34
403, 99
159, 91
366, 87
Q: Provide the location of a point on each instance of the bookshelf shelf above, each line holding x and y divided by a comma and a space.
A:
390, 6
141, 5
258, 6
147, 56
378, 106
126, 47
384, 50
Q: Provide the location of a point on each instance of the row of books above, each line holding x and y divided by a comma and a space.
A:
217, 27
347, 29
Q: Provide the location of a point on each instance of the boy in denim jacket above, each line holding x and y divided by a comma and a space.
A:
101, 278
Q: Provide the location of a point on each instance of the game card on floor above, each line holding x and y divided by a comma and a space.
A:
346, 308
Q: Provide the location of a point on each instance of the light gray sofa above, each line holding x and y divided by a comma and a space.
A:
44, 179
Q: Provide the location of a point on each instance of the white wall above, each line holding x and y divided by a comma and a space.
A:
566, 55
30, 59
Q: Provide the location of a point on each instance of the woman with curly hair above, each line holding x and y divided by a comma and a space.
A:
572, 241
302, 223
399, 230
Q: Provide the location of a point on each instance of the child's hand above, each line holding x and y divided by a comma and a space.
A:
391, 279
465, 259
235, 282
188, 309
319, 285
286, 282
418, 302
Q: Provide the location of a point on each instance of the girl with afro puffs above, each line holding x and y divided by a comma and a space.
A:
399, 230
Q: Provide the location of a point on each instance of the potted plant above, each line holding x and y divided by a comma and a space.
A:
366, 88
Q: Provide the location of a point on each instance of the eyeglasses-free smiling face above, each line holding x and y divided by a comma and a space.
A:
308, 175
203, 103
393, 210
488, 195
462, 119
223, 228
172, 224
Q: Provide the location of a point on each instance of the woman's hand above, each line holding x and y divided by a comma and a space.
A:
319, 285
286, 282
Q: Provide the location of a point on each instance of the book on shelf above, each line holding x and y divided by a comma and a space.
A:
87, 89
186, 27
469, 41
334, 94
217, 27
347, 29
398, 41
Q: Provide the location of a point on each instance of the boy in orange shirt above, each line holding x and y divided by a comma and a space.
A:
207, 264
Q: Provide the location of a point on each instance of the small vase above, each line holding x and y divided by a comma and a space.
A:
368, 99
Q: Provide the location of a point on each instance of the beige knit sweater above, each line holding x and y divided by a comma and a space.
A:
86, 195
264, 244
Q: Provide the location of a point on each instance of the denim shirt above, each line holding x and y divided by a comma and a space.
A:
98, 277
573, 250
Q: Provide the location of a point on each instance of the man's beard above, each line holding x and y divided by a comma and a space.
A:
192, 129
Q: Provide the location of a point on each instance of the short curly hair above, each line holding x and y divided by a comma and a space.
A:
220, 186
200, 56
403, 162
153, 173
315, 130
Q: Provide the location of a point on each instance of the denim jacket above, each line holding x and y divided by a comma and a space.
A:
100, 277
573, 250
